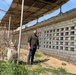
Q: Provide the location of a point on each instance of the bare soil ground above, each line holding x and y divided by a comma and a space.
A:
47, 61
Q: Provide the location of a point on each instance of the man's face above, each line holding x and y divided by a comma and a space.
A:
35, 31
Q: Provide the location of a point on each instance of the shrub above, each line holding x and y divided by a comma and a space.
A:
59, 71
37, 55
11, 68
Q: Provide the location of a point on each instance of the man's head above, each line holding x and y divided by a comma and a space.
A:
35, 31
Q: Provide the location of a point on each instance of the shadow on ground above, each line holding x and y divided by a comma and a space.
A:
35, 62
41, 61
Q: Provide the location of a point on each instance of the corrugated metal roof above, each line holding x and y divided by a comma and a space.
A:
33, 9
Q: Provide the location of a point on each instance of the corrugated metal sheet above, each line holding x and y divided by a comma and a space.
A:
33, 9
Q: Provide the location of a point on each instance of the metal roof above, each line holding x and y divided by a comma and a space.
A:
33, 9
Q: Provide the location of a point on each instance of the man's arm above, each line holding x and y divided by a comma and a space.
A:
29, 46
29, 42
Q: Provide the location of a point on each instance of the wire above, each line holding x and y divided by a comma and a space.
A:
3, 10
5, 2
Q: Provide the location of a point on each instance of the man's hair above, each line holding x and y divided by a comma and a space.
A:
35, 29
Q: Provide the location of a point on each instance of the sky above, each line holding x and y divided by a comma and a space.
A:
5, 4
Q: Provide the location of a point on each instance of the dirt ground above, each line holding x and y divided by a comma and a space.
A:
47, 61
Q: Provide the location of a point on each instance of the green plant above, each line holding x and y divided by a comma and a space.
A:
37, 55
11, 68
39, 70
59, 71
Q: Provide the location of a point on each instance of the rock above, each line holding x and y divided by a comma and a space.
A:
11, 54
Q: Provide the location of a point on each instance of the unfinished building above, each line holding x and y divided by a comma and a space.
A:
57, 36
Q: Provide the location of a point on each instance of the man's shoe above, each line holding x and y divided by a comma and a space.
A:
32, 63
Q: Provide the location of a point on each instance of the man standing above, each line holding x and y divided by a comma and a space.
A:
33, 43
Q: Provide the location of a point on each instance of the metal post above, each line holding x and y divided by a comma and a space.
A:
9, 29
4, 32
19, 44
60, 9
37, 20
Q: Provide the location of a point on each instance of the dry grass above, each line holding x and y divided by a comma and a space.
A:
44, 64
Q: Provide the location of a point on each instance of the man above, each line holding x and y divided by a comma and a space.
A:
33, 43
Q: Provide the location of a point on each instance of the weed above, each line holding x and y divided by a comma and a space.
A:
37, 55
11, 68
59, 71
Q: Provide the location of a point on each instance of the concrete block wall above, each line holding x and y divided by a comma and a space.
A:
57, 36
59, 39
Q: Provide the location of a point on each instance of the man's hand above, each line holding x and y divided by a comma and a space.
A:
29, 47
38, 47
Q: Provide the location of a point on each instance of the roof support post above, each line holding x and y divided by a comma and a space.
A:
9, 29
60, 10
37, 20
4, 32
19, 43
